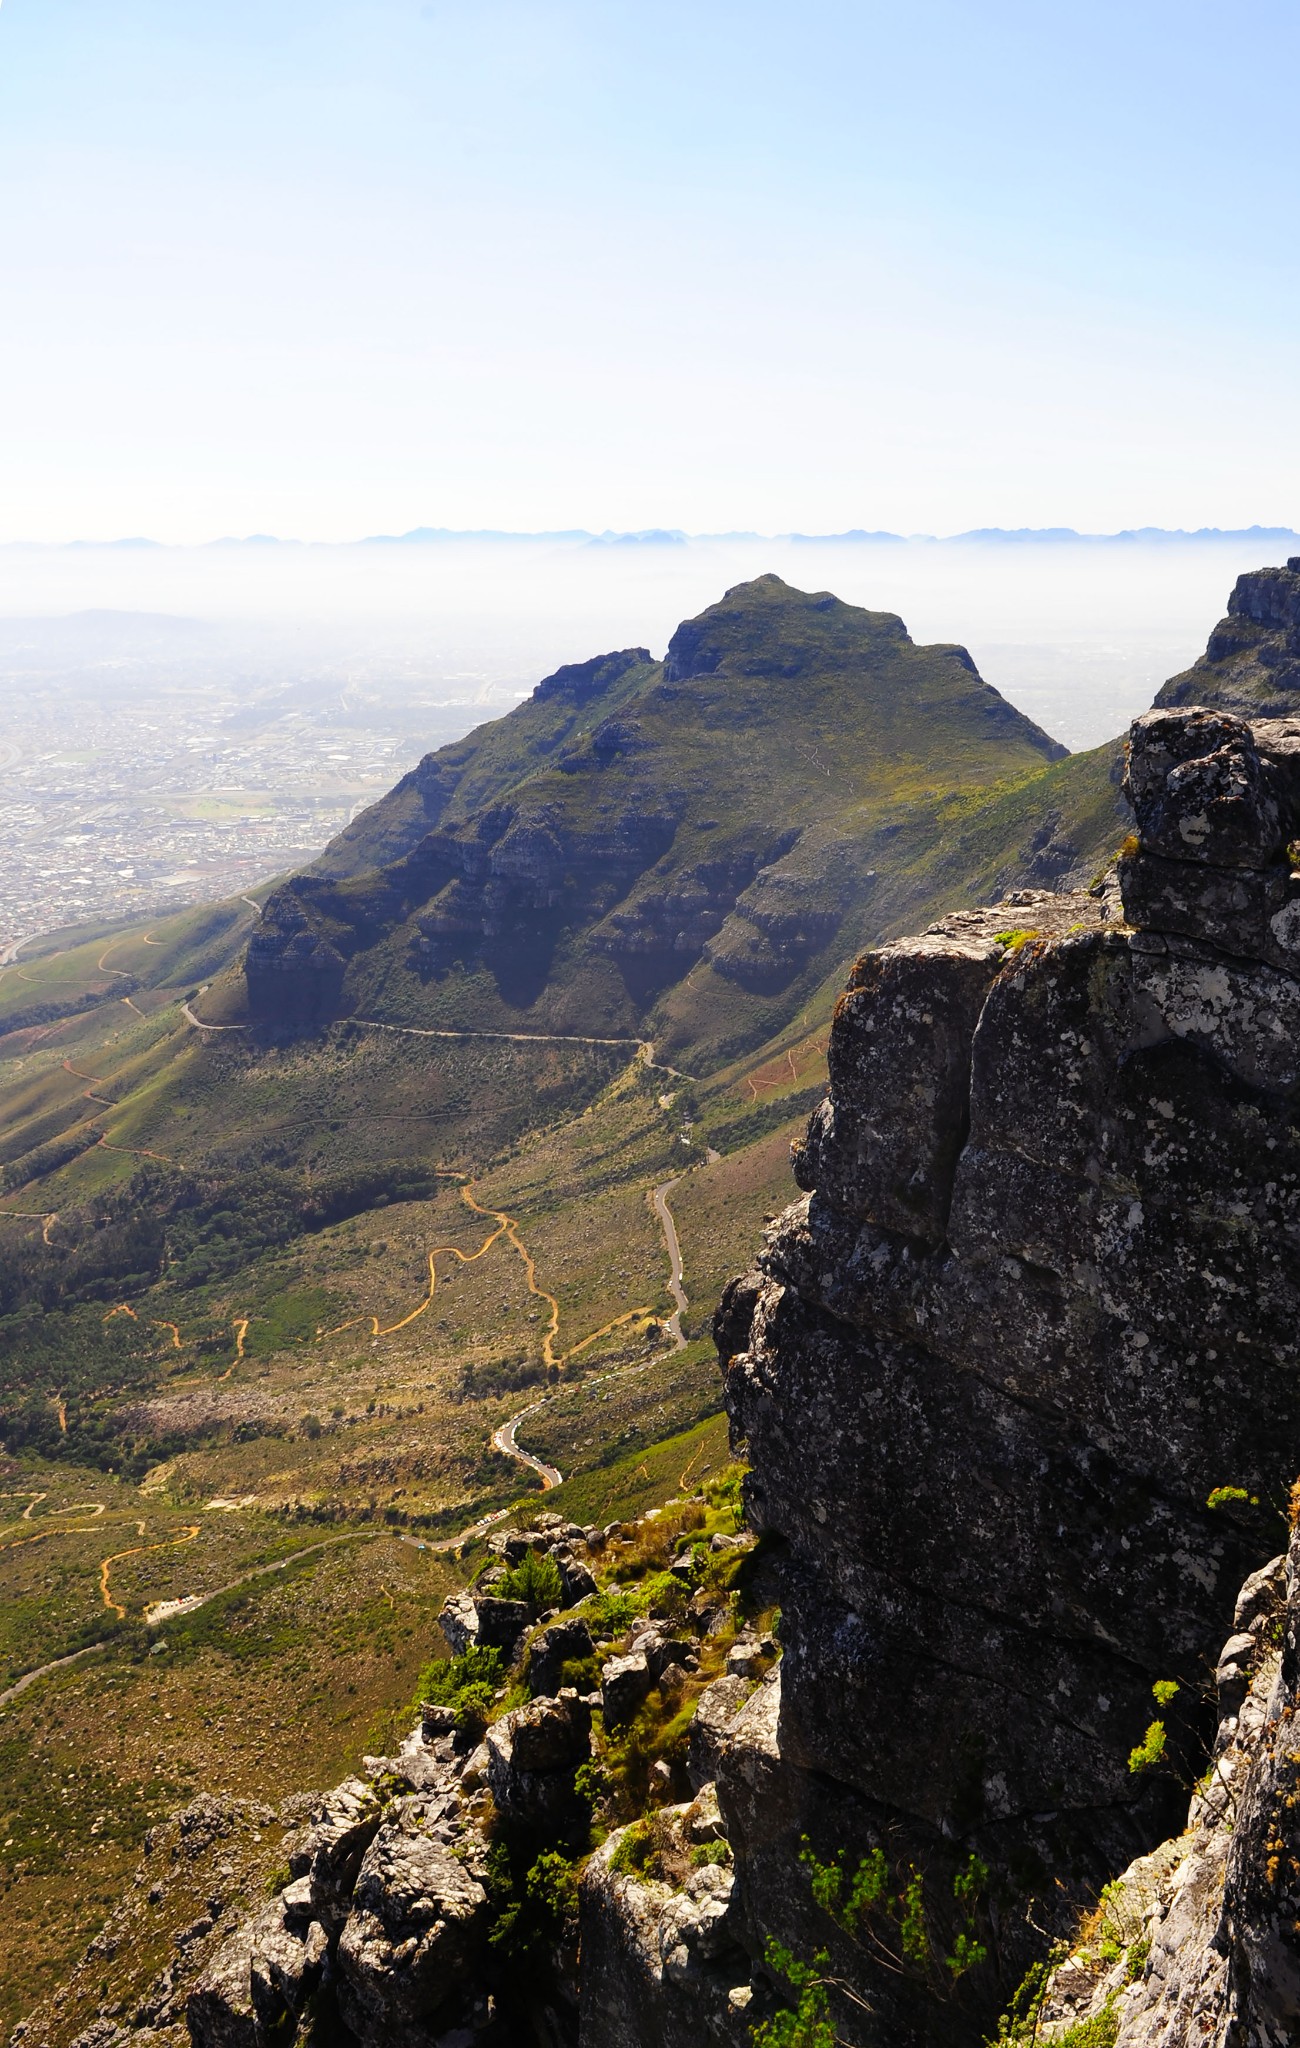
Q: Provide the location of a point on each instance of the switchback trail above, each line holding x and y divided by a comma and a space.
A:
139, 1549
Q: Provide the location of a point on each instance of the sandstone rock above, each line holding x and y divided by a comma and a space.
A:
1040, 1304
660, 1965
576, 1580
417, 1921
1207, 1923
501, 1623
458, 1621
329, 1855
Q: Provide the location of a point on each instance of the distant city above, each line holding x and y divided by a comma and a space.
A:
161, 773
184, 724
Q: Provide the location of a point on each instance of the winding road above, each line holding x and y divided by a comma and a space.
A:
675, 1288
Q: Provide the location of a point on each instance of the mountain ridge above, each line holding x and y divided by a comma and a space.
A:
724, 811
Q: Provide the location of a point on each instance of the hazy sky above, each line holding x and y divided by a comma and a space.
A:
328, 267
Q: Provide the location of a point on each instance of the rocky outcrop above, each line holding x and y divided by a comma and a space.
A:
533, 1754
382, 1923
661, 1965
1252, 662
1037, 1311
1198, 1945
417, 1921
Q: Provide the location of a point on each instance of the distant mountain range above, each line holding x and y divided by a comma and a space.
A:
663, 536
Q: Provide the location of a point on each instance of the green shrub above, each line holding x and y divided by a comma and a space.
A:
1224, 1496
809, 2024
535, 1580
468, 1684
710, 1852
610, 1614
1150, 1751
1101, 2031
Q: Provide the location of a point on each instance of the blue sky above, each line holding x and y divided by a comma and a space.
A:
326, 269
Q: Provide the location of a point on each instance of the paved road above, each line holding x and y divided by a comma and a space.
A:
43, 1671
503, 1439
163, 1610
675, 1288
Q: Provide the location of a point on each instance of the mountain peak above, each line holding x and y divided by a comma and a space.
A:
1251, 662
579, 681
766, 627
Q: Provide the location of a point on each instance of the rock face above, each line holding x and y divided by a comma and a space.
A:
385, 1917
532, 1756
1039, 1305
1199, 1944
1252, 662
661, 1965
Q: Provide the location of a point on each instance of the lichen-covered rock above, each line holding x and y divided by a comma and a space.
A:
624, 1684
1041, 1303
660, 1964
329, 1856
564, 1642
484, 1619
418, 1919
1196, 1945
532, 1756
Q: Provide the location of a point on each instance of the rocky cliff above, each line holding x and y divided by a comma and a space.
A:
1252, 662
1018, 1385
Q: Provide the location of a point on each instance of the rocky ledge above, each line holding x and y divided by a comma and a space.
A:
1017, 1382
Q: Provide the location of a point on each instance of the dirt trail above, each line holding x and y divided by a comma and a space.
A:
100, 968
47, 1217
138, 1550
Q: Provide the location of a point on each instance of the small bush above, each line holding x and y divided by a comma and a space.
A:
1150, 1751
468, 1684
609, 1614
1224, 1496
710, 1852
535, 1580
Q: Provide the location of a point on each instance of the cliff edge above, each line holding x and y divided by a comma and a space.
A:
1017, 1385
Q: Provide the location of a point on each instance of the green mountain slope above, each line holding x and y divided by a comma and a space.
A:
271, 1292
723, 818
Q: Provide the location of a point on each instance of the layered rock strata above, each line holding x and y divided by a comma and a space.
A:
1039, 1306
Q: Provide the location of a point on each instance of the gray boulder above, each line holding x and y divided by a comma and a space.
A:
565, 1642
532, 1756
624, 1684
411, 1941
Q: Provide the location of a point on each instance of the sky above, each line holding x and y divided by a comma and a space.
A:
326, 268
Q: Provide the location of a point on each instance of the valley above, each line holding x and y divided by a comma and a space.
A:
308, 1278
